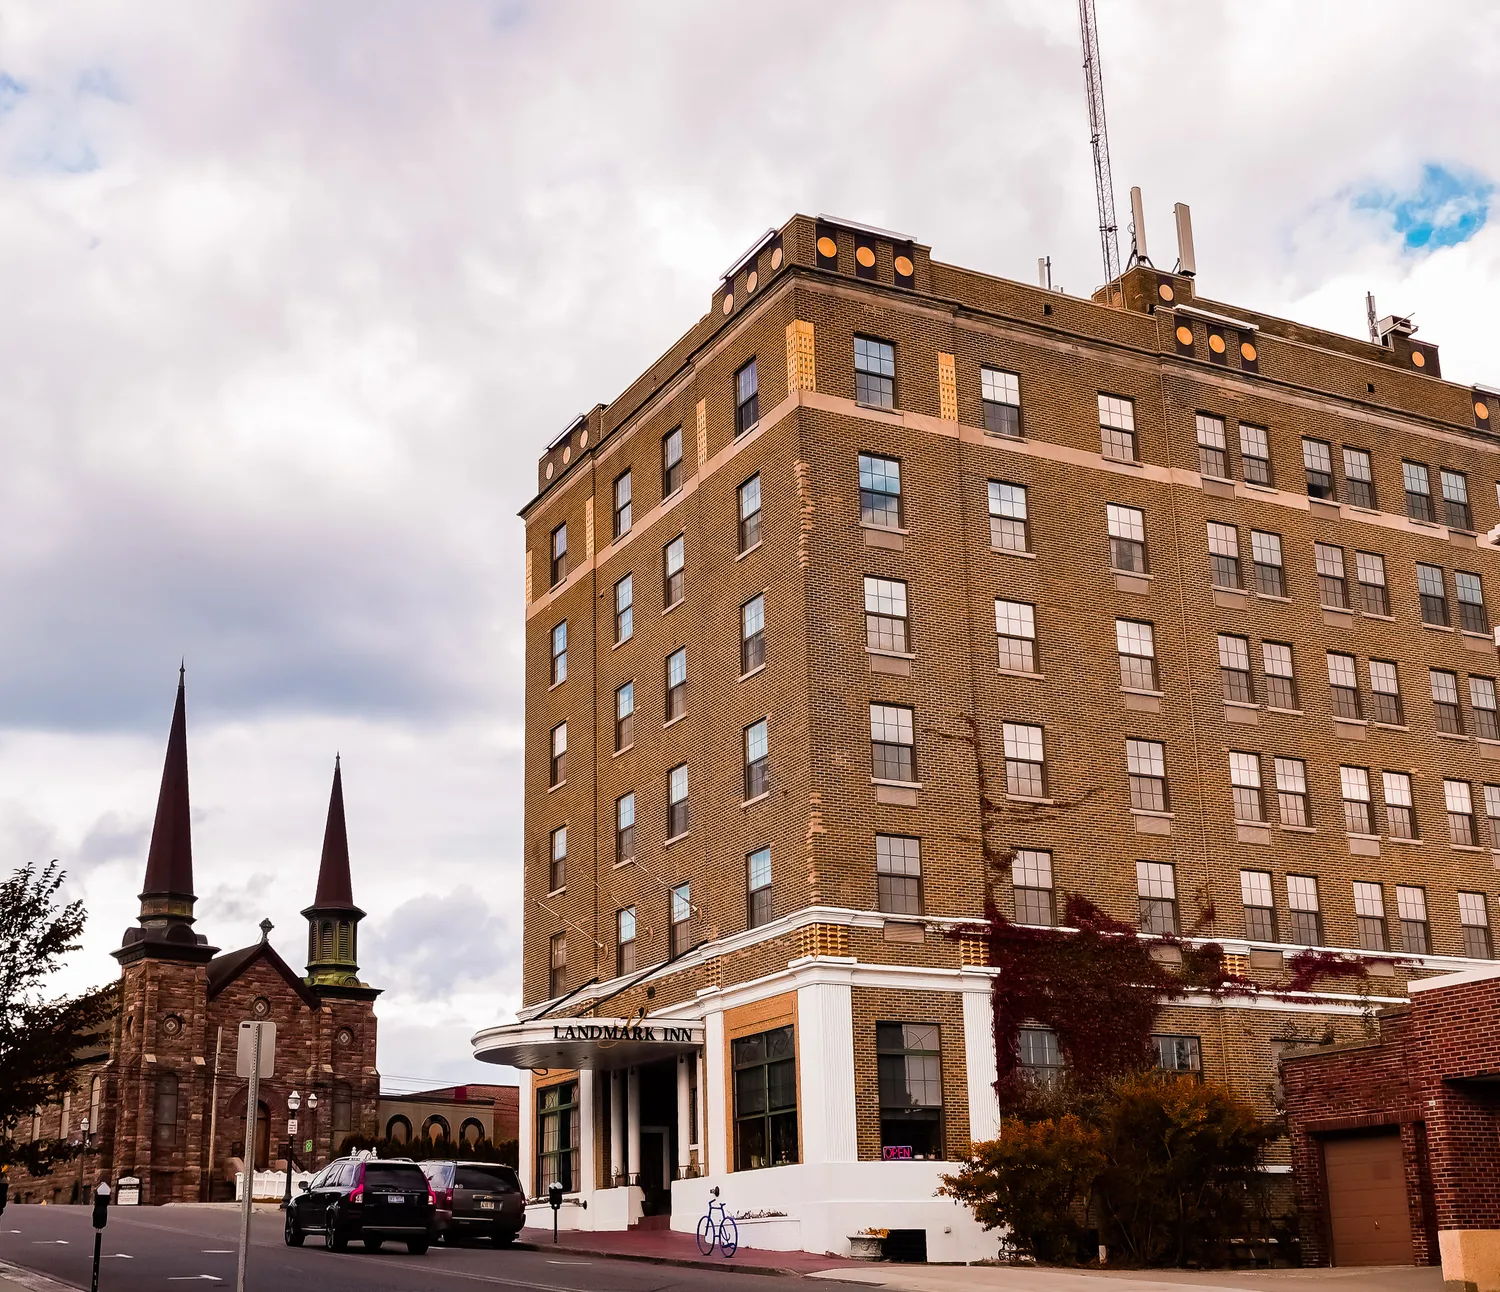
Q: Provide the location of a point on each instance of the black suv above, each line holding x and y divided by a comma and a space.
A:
370, 1199
477, 1200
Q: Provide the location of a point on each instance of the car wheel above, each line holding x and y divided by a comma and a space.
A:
294, 1234
417, 1246
332, 1239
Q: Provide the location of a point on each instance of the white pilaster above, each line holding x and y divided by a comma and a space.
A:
526, 1134
586, 1168
979, 1058
717, 1154
702, 1141
616, 1127
825, 1047
684, 1116
633, 1131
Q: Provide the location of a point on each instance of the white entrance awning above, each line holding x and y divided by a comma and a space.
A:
596, 1043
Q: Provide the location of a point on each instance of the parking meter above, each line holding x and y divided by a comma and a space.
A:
554, 1199
101, 1205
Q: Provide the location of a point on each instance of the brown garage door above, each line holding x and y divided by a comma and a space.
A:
1367, 1200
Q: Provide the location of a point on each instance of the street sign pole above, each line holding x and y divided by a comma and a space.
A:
257, 1048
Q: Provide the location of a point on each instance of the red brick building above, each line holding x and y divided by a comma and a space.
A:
161, 1099
1394, 1138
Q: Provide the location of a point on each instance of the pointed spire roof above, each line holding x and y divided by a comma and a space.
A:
335, 891
169, 863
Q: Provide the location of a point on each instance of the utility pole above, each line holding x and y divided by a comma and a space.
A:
1104, 183
255, 1059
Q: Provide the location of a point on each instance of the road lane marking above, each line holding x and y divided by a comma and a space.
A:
117, 1256
48, 1242
219, 1251
193, 1278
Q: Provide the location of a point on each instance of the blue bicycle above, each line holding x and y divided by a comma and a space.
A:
717, 1229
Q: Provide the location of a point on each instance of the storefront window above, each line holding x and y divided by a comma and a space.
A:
557, 1137
765, 1100
911, 1089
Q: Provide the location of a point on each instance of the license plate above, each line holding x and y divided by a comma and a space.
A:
486, 1206
395, 1197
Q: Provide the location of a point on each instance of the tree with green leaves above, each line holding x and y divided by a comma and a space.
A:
40, 1034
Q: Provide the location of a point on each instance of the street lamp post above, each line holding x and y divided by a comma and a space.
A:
312, 1128
293, 1102
83, 1147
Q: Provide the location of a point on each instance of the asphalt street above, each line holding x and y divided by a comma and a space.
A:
162, 1249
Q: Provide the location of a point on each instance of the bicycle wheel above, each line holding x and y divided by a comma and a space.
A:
706, 1235
729, 1236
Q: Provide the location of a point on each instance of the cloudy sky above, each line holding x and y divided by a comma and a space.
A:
294, 294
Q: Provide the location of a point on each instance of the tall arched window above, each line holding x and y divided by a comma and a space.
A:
435, 1130
398, 1130
166, 1109
96, 1087
341, 1116
471, 1132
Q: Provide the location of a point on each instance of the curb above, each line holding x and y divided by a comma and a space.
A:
682, 1262
17, 1276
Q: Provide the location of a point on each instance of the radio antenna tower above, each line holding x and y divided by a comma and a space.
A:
1104, 184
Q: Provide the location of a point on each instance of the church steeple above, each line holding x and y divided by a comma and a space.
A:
333, 918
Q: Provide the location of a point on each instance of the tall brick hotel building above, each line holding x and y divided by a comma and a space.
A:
1195, 596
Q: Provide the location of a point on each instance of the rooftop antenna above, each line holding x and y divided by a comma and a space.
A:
1044, 272
1370, 317
1104, 184
1138, 254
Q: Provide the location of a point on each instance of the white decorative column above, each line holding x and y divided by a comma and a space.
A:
633, 1132
616, 1128
526, 1134
825, 1043
587, 1169
684, 1116
979, 1060
716, 1154
701, 1144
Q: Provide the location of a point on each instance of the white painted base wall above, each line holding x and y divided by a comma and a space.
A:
600, 1209
825, 1205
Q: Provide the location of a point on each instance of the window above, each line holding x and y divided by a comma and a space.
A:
1343, 686
892, 745
165, 1129
749, 507
757, 761
1146, 765
676, 683
758, 888
1025, 764
898, 874
1127, 538
1008, 532
681, 918
1359, 480
1213, 450
1040, 1055
1255, 454
671, 462
1411, 910
557, 873
910, 1070
746, 399
1449, 715
1291, 792
1157, 886
559, 553
765, 1099
879, 492
1471, 616
1354, 786
1418, 491
1270, 573
1482, 701
1244, 781
1135, 641
1179, 1055
1117, 428
677, 801
1333, 587
625, 609
1031, 876
1317, 464
874, 372
1474, 922
557, 1127
752, 634
673, 577
1432, 593
885, 615
1385, 693
1369, 569
1224, 555
557, 769
1459, 801
622, 505
625, 717
557, 964
1492, 813
1000, 394
1456, 513
560, 652
1302, 904
625, 941
1234, 669
1015, 629
1400, 812
1260, 906
625, 829
1369, 912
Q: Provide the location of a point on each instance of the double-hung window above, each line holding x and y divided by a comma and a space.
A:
1213, 448
1482, 703
673, 575
1025, 761
749, 509
758, 888
880, 492
1008, 523
1447, 710
1244, 782
1458, 799
1127, 538
1369, 569
909, 1067
1432, 593
1291, 792
623, 515
752, 634
1302, 906
1385, 693
1418, 491
1000, 393
1135, 641
885, 615
558, 1125
1400, 810
765, 1099
1317, 466
1359, 479
625, 829
1260, 905
898, 874
671, 462
557, 964
1270, 573
1255, 454
1456, 513
1234, 669
557, 767
1492, 814
1015, 631
757, 760
677, 801
557, 871
680, 913
559, 554
625, 717
746, 399
559, 652
1224, 555
1343, 686
1281, 679
874, 372
625, 609
1040, 1056
1411, 910
625, 941
1031, 876
1178, 1056
1471, 615
1369, 913
892, 743
1117, 428
1146, 768
1156, 885
1354, 788
1474, 922
1333, 587
676, 704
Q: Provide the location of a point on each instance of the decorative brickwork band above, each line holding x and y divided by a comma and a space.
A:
702, 431
947, 388
528, 576
588, 525
822, 940
801, 364
711, 972
973, 950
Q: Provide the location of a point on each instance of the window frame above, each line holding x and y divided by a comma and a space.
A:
624, 723
1003, 523
559, 671
625, 947
1418, 501
624, 609
1032, 864
1270, 576
1213, 446
675, 705
1128, 519
1146, 775
769, 1114
557, 762
679, 819
674, 572
1136, 676
926, 1047
888, 756
753, 634
1261, 472
756, 747
1158, 907
874, 501
874, 380
1224, 564
886, 630
1013, 734
759, 903
1115, 434
624, 510
671, 463
748, 528
1006, 422
557, 859
558, 554
746, 403
898, 888
1013, 646
625, 830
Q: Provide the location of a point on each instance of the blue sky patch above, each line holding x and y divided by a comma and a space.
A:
1445, 208
11, 92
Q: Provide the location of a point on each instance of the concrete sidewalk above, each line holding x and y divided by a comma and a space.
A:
668, 1247
1010, 1278
14, 1279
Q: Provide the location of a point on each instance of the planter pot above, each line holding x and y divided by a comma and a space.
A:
864, 1247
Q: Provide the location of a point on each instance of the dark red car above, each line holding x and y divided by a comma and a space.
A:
476, 1200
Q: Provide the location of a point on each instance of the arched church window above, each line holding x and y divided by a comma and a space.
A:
166, 1109
341, 1118
398, 1130
96, 1088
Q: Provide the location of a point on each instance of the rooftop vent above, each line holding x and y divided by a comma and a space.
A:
1393, 325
